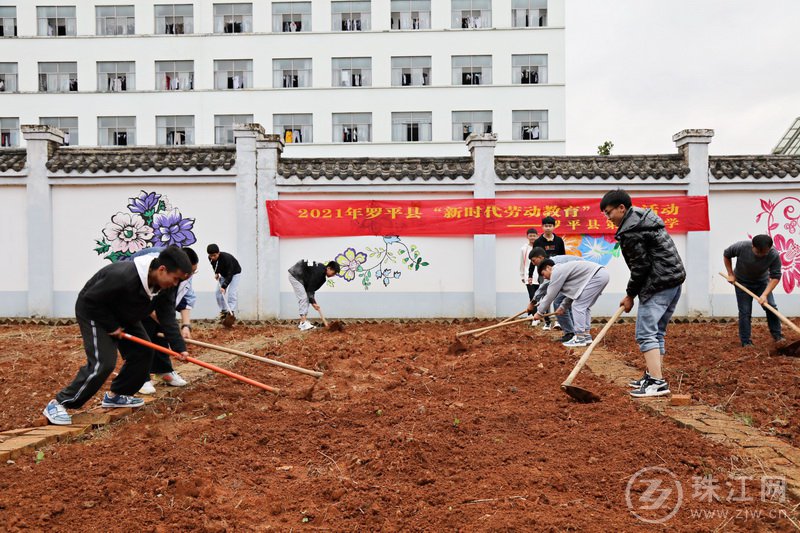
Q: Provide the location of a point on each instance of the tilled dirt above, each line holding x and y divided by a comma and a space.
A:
398, 435
753, 384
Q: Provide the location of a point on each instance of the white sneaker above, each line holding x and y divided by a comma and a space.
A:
173, 378
535, 323
305, 326
57, 414
547, 327
576, 342
147, 388
556, 326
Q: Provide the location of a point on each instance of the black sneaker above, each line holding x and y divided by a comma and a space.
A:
566, 337
637, 383
651, 388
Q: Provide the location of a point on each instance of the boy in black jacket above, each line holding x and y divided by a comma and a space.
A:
306, 280
227, 271
657, 274
113, 301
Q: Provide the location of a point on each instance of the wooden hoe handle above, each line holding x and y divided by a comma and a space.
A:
595, 342
775, 311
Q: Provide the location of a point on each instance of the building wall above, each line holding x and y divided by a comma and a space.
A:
460, 272
321, 100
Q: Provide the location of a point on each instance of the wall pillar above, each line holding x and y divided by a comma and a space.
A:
269, 149
693, 145
481, 148
245, 136
42, 142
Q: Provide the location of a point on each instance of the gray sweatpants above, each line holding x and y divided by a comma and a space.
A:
581, 306
300, 293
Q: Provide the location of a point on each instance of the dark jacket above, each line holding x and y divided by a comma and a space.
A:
226, 266
115, 298
649, 253
311, 276
552, 248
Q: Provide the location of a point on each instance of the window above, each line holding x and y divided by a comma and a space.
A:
69, 125
291, 16
56, 21
175, 130
352, 127
468, 122
233, 18
174, 75
472, 70
116, 131
8, 21
471, 13
408, 71
174, 19
528, 69
58, 77
294, 128
9, 131
411, 14
8, 77
115, 20
528, 13
116, 76
411, 127
529, 125
223, 127
351, 16
291, 73
233, 74
352, 72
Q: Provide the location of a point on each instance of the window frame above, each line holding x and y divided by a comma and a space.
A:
341, 126
341, 24
528, 6
224, 75
536, 73
306, 130
70, 131
223, 20
398, 8
458, 128
9, 132
280, 23
8, 13
181, 81
476, 70
43, 22
160, 21
73, 70
412, 119
104, 77
398, 72
223, 129
130, 20
364, 73
463, 14
9, 70
116, 129
279, 75
520, 123
187, 131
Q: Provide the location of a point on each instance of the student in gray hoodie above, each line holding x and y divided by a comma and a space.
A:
581, 283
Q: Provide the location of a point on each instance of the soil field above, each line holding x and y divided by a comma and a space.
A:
398, 435
752, 384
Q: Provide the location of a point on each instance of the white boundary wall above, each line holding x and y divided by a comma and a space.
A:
48, 233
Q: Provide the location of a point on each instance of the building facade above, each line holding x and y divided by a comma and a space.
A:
332, 78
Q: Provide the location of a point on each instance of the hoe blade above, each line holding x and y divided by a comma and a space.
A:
580, 395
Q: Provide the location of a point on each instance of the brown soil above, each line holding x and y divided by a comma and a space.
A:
753, 384
398, 435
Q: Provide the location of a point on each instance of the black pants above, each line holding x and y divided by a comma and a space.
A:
162, 364
101, 358
531, 293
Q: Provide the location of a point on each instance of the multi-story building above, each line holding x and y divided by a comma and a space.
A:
364, 77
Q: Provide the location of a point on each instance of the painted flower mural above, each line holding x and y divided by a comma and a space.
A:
127, 233
598, 249
152, 221
782, 225
350, 261
393, 252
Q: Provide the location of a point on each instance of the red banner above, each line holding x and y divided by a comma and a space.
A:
496, 216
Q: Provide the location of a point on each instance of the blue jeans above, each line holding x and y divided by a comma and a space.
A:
565, 320
231, 293
745, 303
653, 317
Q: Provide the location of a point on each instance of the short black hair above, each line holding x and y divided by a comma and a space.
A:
333, 265
537, 252
548, 220
532, 230
762, 242
615, 198
173, 258
193, 259
212, 249
544, 264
